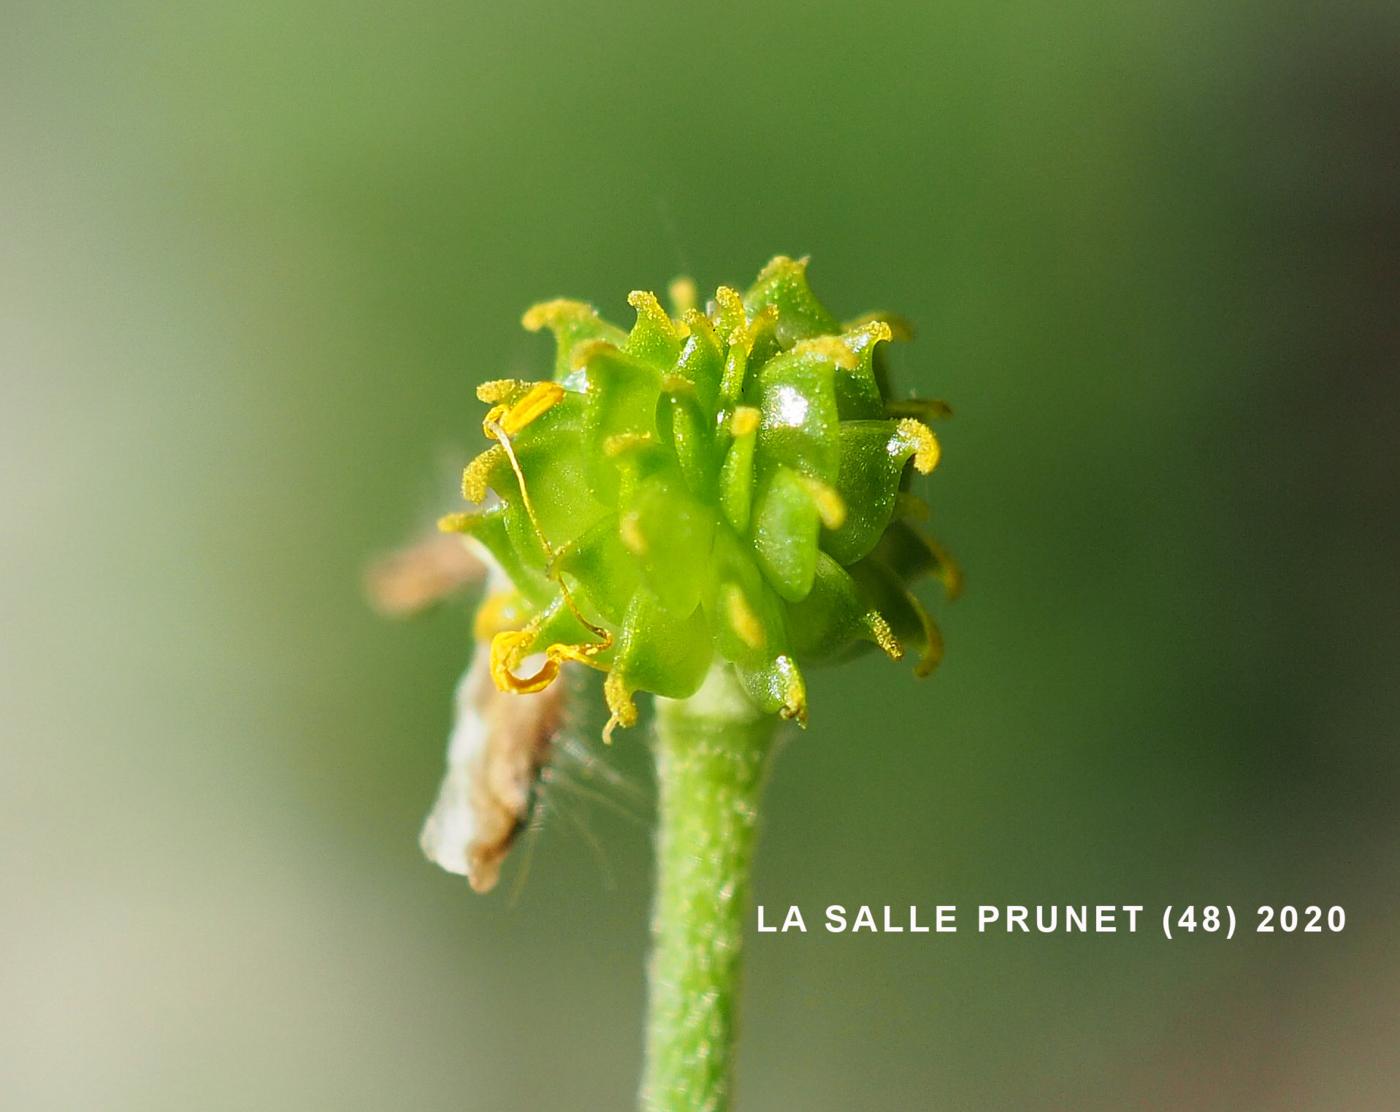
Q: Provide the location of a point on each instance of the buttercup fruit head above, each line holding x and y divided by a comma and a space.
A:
727, 483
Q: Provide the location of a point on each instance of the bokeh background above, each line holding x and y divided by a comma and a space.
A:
256, 256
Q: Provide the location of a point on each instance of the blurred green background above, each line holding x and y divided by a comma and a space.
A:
254, 260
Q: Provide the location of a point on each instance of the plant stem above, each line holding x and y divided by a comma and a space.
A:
711, 753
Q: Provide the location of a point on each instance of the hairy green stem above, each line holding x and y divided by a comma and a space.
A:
711, 753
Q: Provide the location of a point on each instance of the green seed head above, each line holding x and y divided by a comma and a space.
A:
725, 483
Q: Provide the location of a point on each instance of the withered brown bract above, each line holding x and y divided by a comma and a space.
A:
500, 744
422, 573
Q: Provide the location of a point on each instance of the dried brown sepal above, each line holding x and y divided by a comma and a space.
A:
427, 571
501, 743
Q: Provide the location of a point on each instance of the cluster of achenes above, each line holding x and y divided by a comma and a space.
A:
730, 483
